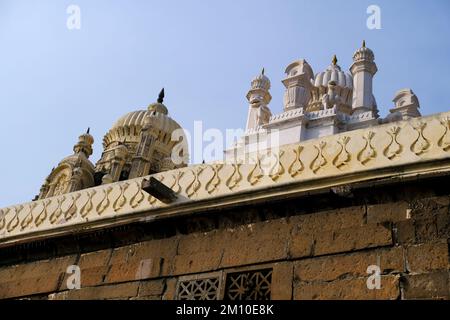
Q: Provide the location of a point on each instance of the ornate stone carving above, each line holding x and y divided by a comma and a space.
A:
3, 214
28, 219
368, 152
14, 222
121, 199
138, 196
104, 203
72, 209
343, 156
256, 173
195, 184
296, 167
214, 182
206, 287
394, 148
42, 215
277, 169
235, 177
421, 143
319, 161
88, 206
249, 285
54, 216
444, 141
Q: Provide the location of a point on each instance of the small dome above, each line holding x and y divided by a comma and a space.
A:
363, 53
333, 73
158, 107
261, 82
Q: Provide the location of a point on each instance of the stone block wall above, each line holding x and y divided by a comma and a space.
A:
288, 249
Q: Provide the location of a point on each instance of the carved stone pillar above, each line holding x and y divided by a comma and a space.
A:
298, 85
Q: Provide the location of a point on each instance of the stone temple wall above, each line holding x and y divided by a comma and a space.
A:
313, 246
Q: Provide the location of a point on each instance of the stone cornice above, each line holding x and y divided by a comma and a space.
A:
401, 149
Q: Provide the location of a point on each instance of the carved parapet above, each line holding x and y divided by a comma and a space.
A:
416, 146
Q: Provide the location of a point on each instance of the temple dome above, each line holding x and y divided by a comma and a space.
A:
333, 73
128, 132
363, 53
261, 81
129, 126
135, 118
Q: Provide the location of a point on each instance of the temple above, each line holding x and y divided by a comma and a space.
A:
325, 200
329, 102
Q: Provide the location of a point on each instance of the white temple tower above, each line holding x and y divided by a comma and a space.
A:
363, 69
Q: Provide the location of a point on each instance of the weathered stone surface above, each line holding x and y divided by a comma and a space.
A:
349, 265
141, 261
256, 243
198, 262
427, 286
282, 281
170, 289
356, 238
151, 288
330, 220
428, 207
392, 212
425, 230
348, 289
301, 245
428, 257
93, 268
405, 232
34, 277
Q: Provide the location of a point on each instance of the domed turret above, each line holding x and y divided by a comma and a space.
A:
334, 73
363, 69
332, 82
73, 173
128, 133
363, 54
258, 97
261, 82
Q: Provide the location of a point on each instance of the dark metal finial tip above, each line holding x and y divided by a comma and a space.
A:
88, 129
334, 61
161, 96
364, 43
262, 72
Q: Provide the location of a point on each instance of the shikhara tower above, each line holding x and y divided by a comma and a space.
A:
138, 144
314, 106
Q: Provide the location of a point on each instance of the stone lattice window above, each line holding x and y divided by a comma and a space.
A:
249, 285
203, 287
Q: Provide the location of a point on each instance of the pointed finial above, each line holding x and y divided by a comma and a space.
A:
262, 71
334, 61
88, 129
364, 44
161, 96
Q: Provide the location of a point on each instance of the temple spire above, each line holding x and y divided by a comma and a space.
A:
364, 44
262, 71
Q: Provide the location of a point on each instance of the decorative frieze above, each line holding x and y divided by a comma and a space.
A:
422, 143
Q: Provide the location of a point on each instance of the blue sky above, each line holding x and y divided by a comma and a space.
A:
55, 82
